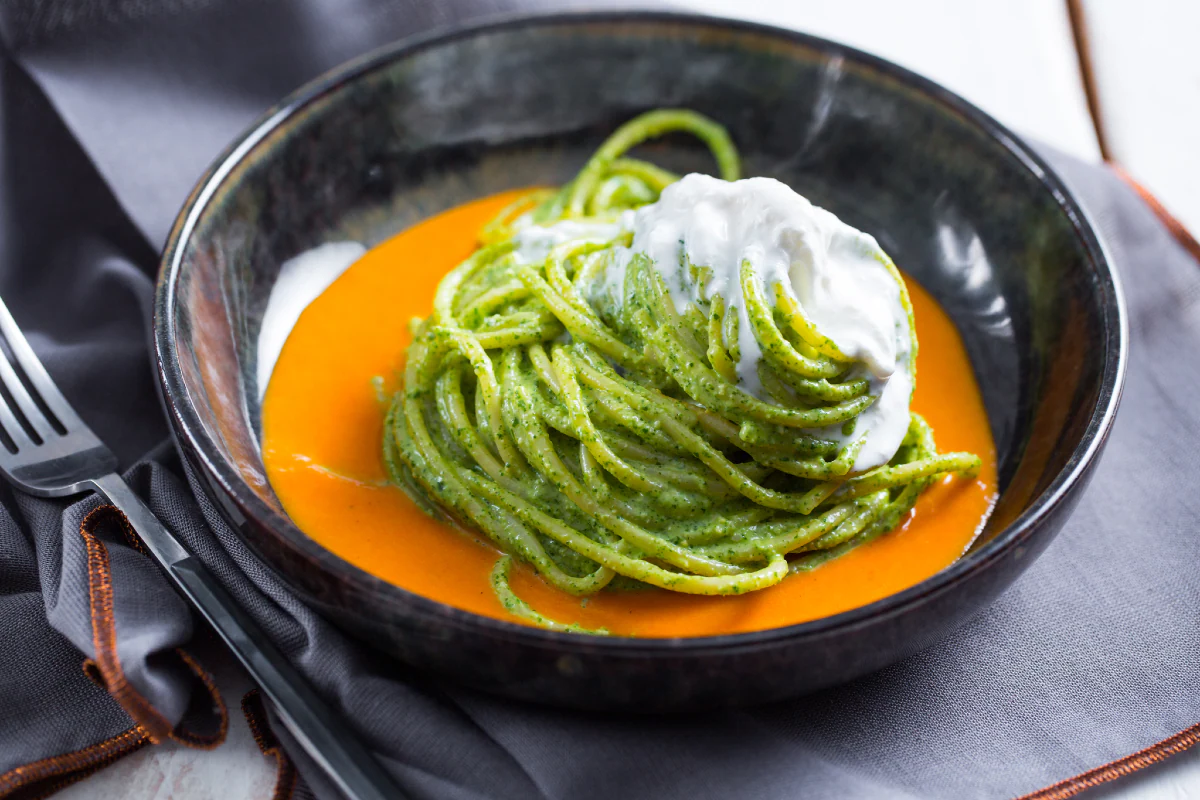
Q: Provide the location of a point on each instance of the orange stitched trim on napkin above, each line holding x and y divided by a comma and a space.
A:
256, 718
44, 777
107, 666
197, 740
1083, 50
1119, 768
1181, 234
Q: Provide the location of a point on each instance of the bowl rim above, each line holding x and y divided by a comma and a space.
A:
190, 432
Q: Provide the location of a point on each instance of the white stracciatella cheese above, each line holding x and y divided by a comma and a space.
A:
838, 274
301, 280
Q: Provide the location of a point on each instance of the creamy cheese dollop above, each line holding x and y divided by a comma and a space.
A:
838, 275
301, 280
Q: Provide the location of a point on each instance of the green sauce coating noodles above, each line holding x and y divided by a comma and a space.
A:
607, 441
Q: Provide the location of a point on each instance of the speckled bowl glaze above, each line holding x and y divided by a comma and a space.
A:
371, 148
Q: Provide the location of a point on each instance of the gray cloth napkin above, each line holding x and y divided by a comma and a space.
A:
108, 112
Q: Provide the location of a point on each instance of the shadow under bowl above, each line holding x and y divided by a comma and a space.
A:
970, 212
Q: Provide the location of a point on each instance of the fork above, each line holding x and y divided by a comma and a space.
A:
50, 452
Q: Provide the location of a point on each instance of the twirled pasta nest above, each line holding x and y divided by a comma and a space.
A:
606, 442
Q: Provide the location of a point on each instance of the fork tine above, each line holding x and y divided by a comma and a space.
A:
8, 421
10, 379
38, 377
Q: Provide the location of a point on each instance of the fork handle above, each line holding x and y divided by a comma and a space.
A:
317, 727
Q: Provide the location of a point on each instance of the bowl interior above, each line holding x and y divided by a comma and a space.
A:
959, 206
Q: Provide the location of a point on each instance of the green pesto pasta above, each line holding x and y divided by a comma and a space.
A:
610, 444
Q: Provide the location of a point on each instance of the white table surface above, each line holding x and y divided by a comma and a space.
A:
1148, 79
1014, 59
1148, 76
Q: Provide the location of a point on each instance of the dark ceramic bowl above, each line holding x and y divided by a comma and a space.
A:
966, 208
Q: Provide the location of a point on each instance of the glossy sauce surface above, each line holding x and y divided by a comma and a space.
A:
323, 422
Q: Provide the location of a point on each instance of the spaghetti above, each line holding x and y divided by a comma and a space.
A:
606, 440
